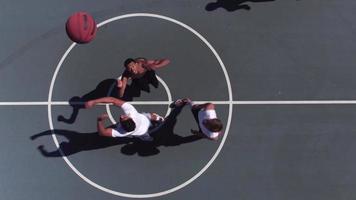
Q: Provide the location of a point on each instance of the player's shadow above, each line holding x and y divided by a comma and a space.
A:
108, 88
164, 136
77, 103
231, 5
76, 142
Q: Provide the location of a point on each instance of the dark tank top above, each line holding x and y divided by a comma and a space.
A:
128, 74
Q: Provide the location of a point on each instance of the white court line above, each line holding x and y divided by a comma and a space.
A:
304, 102
178, 187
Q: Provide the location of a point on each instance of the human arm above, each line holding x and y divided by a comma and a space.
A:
115, 101
121, 84
206, 106
156, 64
155, 117
102, 130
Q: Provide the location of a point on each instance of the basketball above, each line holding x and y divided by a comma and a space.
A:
81, 27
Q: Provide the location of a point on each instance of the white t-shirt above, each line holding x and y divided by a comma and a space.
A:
207, 114
142, 123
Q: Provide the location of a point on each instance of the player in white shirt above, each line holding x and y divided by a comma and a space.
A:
131, 124
209, 125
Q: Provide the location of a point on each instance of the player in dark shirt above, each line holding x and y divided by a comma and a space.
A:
140, 70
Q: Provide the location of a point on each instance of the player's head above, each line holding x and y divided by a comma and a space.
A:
131, 65
127, 123
213, 125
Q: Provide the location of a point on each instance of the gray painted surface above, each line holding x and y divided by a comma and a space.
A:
277, 50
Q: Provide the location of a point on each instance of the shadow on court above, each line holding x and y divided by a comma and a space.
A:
77, 103
231, 5
164, 136
142, 84
108, 88
77, 142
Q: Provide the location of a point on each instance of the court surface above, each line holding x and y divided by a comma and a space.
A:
281, 74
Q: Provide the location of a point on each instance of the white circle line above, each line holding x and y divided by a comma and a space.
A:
50, 93
195, 176
169, 95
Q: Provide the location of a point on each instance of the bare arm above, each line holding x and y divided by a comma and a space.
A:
156, 64
122, 86
209, 106
102, 130
154, 117
206, 106
115, 101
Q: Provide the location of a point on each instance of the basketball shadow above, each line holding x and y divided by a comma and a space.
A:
231, 5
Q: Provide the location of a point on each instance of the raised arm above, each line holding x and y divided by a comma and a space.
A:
115, 101
156, 64
121, 84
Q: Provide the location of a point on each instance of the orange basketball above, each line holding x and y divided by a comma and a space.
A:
81, 27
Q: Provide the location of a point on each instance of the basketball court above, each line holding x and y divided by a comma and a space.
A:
281, 74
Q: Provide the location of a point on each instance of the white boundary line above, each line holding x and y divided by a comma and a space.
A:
304, 102
325, 102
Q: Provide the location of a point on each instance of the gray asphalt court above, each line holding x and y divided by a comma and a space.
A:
280, 72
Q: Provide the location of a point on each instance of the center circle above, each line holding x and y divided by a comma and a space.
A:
182, 185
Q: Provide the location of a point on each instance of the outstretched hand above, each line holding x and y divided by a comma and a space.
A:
187, 101
156, 117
